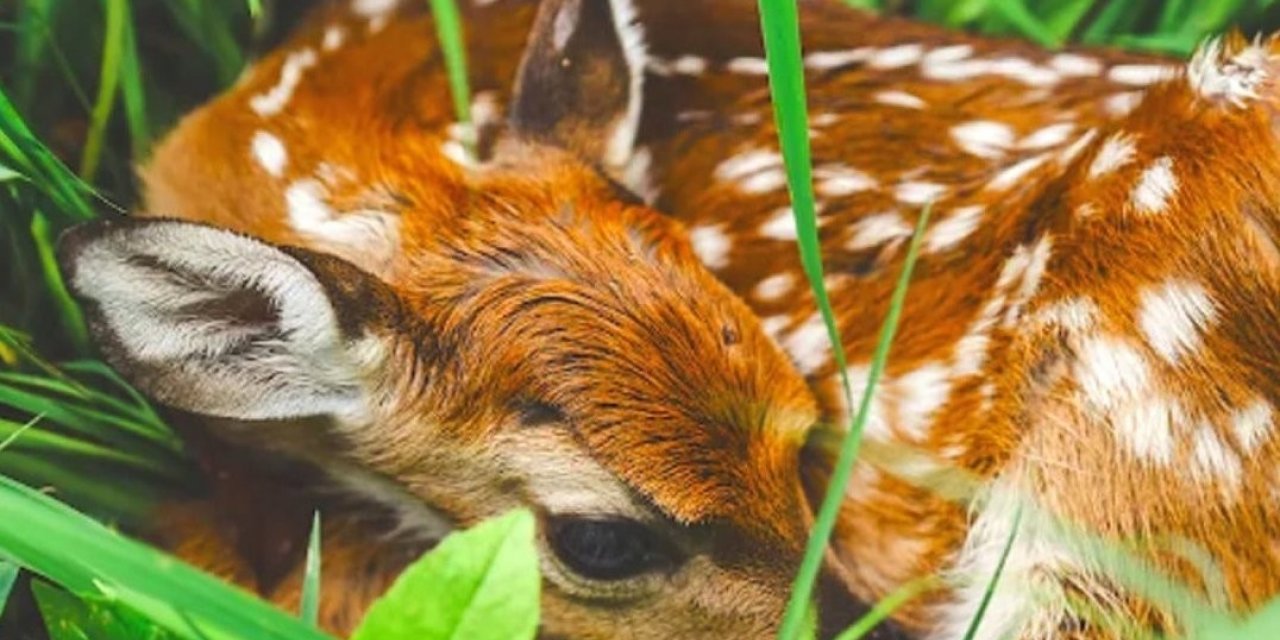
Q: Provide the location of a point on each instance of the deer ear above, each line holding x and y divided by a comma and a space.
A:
580, 81
220, 324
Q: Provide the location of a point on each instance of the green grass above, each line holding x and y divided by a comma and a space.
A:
90, 84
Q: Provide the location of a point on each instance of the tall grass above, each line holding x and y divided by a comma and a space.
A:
89, 84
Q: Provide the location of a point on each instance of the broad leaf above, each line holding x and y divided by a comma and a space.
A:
479, 584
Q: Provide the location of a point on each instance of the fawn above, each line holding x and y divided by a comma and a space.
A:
1090, 338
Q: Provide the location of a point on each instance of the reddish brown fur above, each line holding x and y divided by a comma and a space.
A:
1020, 419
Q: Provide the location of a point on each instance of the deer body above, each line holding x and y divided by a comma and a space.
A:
1090, 338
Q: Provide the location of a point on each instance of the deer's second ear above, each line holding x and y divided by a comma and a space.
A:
216, 323
580, 81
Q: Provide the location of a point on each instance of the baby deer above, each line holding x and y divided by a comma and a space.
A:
1092, 329
458, 341
1091, 334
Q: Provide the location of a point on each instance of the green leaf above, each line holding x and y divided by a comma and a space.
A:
67, 617
479, 584
8, 575
86, 558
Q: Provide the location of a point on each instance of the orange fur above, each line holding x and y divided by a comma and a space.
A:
994, 371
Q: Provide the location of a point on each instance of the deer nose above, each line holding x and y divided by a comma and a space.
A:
838, 610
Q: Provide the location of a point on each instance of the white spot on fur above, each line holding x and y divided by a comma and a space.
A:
744, 164
952, 230
877, 425
773, 326
1140, 75
457, 152
875, 230
308, 210
1085, 210
485, 109
1076, 315
919, 193
764, 181
900, 99
373, 8
970, 351
1110, 371
269, 152
954, 71
809, 345
921, 393
1049, 136
896, 57
1213, 459
1071, 64
774, 287
950, 53
983, 138
1145, 425
636, 176
1235, 80
1117, 151
748, 66
685, 65
1252, 425
1155, 187
1012, 175
712, 245
353, 235
1013, 68
1069, 154
334, 36
1037, 261
1173, 315
823, 60
757, 171
836, 180
1122, 104
275, 99
780, 226
1025, 71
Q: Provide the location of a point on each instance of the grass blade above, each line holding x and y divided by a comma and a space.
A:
17, 433
108, 81
995, 578
133, 92
453, 45
310, 607
779, 23
8, 576
69, 312
87, 558
887, 605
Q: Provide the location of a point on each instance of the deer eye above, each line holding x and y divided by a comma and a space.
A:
535, 413
608, 549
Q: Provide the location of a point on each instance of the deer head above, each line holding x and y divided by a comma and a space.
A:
521, 333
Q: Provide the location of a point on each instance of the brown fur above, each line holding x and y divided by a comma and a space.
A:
723, 418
